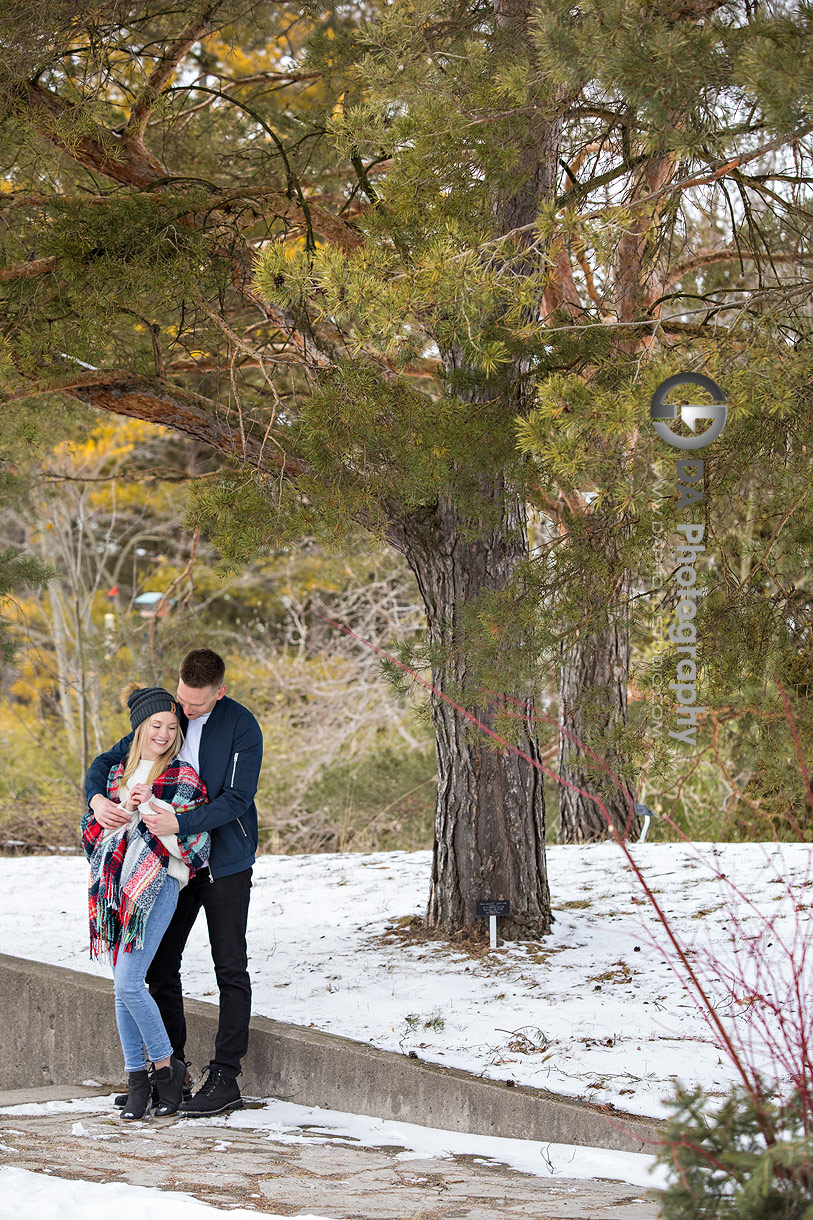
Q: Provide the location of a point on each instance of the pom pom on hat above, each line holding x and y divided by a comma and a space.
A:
126, 692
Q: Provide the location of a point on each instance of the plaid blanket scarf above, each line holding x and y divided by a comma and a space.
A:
128, 867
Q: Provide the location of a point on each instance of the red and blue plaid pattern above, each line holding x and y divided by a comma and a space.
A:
128, 868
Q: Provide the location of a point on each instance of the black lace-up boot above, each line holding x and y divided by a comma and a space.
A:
219, 1092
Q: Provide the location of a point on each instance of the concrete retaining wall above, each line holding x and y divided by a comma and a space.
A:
59, 1028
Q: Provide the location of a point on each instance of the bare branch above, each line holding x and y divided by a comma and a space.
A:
209, 364
259, 78
158, 351
705, 258
170, 406
162, 73
25, 271
179, 579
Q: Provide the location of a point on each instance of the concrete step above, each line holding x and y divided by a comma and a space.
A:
59, 1028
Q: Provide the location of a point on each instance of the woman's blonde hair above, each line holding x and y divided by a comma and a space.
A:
160, 765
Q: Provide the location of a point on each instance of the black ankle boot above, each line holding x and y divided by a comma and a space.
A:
138, 1095
120, 1099
168, 1084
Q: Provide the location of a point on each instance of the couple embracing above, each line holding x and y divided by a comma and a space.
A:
171, 827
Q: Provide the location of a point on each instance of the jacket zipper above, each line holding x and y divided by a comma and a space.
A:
239, 823
233, 770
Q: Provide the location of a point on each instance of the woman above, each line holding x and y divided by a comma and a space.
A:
135, 879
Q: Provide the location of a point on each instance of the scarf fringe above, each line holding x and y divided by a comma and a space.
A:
133, 921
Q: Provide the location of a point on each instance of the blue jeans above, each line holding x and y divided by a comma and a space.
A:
137, 1015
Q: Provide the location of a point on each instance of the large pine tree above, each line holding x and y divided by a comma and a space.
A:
346, 248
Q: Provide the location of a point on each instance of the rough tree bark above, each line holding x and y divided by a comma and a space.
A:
593, 697
490, 815
593, 676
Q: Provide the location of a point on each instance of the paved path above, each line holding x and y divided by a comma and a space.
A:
328, 1177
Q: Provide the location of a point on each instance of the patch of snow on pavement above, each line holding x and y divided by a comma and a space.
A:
290, 1123
284, 1122
48, 1197
77, 1105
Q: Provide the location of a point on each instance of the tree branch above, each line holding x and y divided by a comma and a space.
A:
24, 271
120, 158
705, 258
331, 228
162, 73
170, 406
22, 199
574, 193
705, 177
125, 160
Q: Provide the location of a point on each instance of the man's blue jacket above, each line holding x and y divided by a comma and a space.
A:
231, 753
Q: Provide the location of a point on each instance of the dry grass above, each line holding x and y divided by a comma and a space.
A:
412, 930
28, 829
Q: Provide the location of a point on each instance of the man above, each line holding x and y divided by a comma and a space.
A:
223, 742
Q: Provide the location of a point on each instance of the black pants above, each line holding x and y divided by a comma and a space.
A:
225, 901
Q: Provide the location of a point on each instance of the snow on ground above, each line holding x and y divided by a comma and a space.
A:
287, 1123
592, 1011
53, 1198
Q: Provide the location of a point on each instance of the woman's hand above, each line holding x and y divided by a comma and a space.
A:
138, 794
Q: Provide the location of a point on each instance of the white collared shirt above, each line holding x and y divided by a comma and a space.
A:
190, 751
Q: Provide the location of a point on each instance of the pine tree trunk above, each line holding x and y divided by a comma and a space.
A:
593, 698
490, 812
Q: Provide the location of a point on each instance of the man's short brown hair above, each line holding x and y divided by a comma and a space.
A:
201, 667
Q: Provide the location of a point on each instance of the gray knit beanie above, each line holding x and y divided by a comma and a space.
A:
148, 700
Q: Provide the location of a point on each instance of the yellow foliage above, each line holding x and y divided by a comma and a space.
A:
108, 445
241, 63
275, 56
31, 682
293, 247
110, 449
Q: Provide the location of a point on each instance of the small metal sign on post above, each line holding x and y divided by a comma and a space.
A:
492, 908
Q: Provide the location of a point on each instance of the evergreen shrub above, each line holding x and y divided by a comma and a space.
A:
751, 1158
